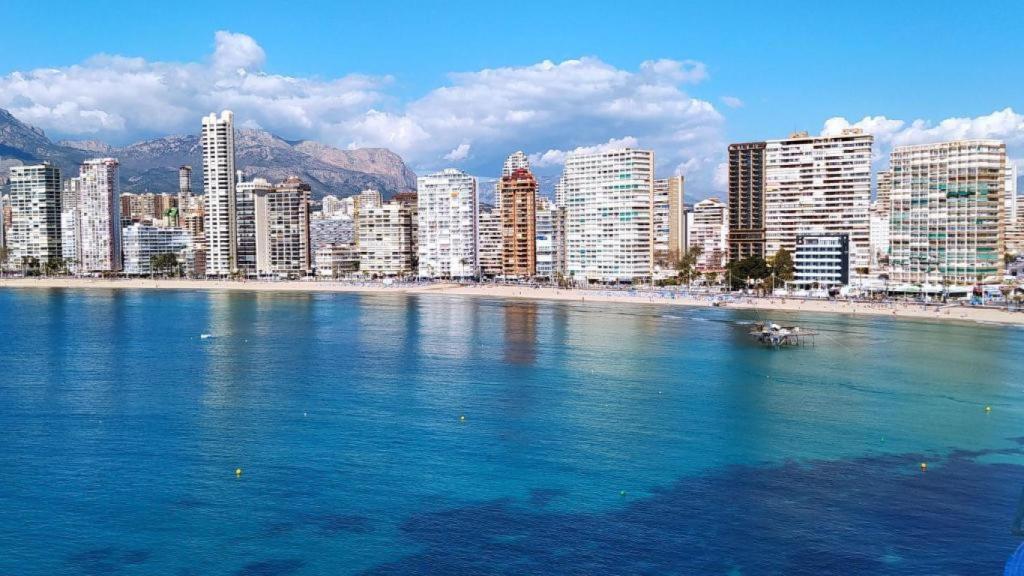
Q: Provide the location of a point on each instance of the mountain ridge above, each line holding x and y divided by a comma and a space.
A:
152, 165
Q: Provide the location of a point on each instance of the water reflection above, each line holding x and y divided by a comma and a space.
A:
447, 327
521, 333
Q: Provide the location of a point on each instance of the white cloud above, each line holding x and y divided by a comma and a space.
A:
458, 154
237, 52
555, 106
1005, 125
557, 157
732, 101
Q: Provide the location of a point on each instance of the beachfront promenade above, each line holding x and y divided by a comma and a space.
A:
661, 296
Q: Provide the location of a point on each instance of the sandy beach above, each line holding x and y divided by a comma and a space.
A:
953, 312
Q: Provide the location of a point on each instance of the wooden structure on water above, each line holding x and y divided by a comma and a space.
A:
776, 336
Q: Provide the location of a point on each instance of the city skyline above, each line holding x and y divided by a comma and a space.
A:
686, 97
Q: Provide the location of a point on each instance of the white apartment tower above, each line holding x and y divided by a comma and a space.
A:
947, 218
35, 213
817, 185
547, 226
218, 140
1014, 213
447, 221
99, 216
710, 231
515, 161
70, 225
608, 229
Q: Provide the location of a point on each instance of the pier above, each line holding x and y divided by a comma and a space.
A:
776, 336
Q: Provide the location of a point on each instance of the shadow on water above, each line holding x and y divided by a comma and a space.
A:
867, 515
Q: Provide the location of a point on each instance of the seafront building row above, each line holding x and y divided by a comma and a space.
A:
944, 213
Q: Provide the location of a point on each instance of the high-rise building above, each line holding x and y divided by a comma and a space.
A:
548, 217
883, 190
218, 140
608, 215
489, 242
184, 189
517, 197
35, 214
515, 161
879, 235
282, 229
1012, 203
3, 225
947, 212
245, 222
366, 199
668, 224
99, 216
387, 241
6, 216
746, 200
1014, 213
447, 224
142, 242
818, 185
70, 224
710, 231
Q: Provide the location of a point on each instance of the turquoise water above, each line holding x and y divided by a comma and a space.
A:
596, 438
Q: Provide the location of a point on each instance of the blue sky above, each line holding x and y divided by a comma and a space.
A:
742, 71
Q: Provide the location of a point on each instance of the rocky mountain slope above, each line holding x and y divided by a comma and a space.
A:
152, 165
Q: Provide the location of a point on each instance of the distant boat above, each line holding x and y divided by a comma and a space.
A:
205, 336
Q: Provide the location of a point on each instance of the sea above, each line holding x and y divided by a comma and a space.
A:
261, 433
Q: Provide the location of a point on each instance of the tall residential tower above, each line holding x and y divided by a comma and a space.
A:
447, 224
517, 197
817, 185
35, 214
99, 216
608, 215
218, 140
746, 200
947, 219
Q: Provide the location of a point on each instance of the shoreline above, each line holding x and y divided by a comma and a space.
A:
893, 309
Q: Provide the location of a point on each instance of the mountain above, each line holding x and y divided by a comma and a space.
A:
152, 165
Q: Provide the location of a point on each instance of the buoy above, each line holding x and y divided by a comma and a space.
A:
622, 492
462, 418
988, 408
924, 466
238, 472
304, 414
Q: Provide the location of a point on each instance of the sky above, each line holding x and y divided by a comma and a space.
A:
463, 84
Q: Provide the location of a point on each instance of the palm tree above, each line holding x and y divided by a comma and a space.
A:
687, 264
